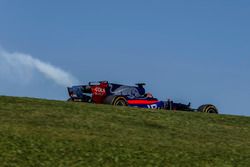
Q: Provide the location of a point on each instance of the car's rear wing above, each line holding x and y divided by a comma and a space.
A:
140, 84
93, 83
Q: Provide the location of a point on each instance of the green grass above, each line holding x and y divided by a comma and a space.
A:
35, 132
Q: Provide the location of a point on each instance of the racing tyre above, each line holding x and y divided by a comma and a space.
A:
208, 108
120, 101
116, 100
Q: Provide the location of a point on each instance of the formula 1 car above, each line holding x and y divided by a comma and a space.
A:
103, 92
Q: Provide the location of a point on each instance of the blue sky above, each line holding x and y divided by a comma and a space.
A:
195, 50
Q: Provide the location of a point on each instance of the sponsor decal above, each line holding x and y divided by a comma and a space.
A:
98, 91
125, 90
153, 106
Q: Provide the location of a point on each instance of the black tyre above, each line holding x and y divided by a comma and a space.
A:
208, 108
116, 100
120, 101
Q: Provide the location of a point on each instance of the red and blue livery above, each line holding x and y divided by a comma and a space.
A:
103, 92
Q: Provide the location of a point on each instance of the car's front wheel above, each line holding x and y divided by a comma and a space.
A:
208, 108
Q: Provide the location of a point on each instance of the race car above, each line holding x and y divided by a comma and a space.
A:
103, 92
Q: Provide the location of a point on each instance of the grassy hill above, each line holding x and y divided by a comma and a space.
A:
35, 132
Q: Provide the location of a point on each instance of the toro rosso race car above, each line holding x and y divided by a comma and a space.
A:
103, 92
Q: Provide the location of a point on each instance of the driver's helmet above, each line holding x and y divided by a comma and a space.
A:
148, 95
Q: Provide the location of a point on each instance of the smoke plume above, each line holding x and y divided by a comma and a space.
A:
23, 66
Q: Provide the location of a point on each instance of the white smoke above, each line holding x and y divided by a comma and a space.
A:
23, 66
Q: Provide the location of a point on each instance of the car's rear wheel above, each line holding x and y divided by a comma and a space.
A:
208, 108
116, 100
120, 101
